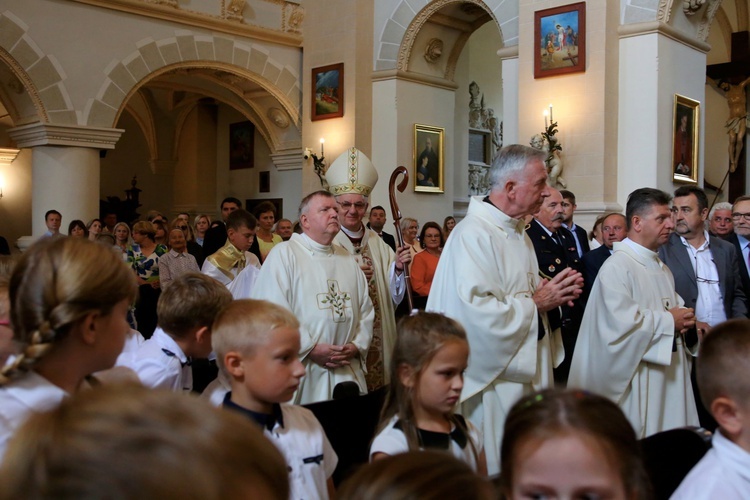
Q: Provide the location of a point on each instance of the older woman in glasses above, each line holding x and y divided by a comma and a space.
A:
425, 262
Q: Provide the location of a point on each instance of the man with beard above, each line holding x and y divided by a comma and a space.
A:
630, 344
555, 249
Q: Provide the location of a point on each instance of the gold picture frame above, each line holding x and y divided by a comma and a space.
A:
429, 151
685, 136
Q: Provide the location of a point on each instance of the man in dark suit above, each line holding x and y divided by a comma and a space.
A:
614, 228
555, 250
705, 270
741, 241
376, 223
579, 234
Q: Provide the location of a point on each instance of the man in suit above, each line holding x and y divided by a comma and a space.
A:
555, 250
705, 270
377, 222
741, 241
614, 228
579, 234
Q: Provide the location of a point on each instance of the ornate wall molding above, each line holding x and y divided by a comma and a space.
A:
408, 76
45, 134
629, 30
7, 155
201, 20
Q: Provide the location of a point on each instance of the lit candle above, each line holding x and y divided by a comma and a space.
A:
321, 145
545, 113
551, 120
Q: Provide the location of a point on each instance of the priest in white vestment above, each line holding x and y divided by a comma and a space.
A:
351, 178
488, 280
630, 346
327, 291
226, 263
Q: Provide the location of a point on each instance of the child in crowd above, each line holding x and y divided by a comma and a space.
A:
129, 442
723, 373
186, 312
256, 344
423, 475
429, 359
69, 299
570, 444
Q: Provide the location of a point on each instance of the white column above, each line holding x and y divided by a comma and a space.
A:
509, 58
65, 170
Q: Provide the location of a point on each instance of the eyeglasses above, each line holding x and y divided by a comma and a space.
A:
346, 205
704, 280
738, 216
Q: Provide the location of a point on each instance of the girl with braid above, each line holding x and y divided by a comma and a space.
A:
69, 299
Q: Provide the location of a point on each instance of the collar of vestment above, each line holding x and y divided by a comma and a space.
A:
264, 420
485, 209
311, 245
226, 258
358, 239
638, 252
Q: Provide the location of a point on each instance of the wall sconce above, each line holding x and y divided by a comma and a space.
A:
2, 185
319, 163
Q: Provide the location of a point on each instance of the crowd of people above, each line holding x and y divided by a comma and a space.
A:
536, 357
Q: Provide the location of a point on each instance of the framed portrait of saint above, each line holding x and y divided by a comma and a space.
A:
428, 159
685, 123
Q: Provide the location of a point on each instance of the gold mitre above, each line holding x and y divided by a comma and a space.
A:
351, 173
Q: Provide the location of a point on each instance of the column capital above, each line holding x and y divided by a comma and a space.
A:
288, 160
7, 155
46, 134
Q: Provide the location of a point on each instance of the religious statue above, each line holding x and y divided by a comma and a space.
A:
737, 123
548, 142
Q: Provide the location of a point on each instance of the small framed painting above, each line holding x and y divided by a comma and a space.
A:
428, 159
685, 123
327, 92
241, 145
560, 40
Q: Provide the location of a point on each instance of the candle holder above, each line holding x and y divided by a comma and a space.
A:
320, 168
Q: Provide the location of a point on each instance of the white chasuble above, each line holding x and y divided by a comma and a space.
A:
383, 292
485, 280
627, 349
326, 290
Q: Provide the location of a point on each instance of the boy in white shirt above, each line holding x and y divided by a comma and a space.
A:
723, 373
256, 345
186, 312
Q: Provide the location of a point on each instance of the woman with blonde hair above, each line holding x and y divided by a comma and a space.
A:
122, 238
69, 300
200, 226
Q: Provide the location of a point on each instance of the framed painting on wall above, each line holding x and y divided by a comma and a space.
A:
241, 145
327, 92
685, 123
428, 159
560, 40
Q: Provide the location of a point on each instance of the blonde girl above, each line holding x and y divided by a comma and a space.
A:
69, 299
570, 444
427, 370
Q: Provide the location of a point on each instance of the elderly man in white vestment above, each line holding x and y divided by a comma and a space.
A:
351, 178
488, 280
327, 291
630, 346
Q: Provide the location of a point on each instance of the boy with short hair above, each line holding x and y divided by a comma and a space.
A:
230, 260
723, 373
256, 344
186, 312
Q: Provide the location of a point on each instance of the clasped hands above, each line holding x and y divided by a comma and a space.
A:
333, 356
564, 288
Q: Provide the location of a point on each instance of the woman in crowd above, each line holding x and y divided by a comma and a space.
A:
595, 235
77, 229
448, 224
425, 263
160, 235
202, 222
266, 215
409, 229
94, 228
122, 238
144, 256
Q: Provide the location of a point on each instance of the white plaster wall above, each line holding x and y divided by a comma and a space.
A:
243, 184
404, 104
652, 69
